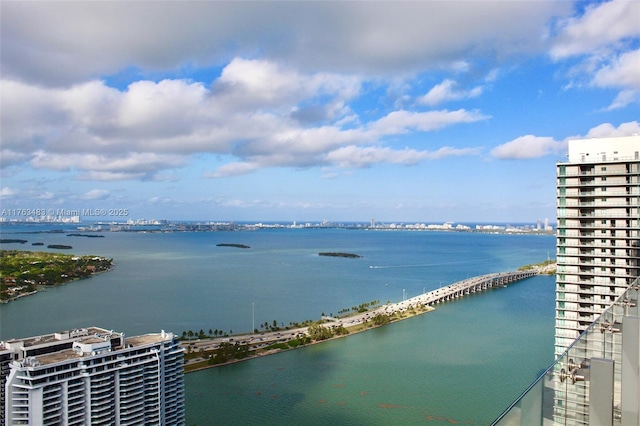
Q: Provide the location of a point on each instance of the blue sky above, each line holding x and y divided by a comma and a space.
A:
345, 111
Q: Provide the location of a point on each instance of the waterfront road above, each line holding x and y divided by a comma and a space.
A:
428, 299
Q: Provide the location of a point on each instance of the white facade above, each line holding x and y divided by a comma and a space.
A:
598, 230
598, 254
93, 376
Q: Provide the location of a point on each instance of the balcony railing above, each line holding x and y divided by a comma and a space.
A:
595, 381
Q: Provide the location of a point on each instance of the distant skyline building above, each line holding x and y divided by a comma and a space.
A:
598, 233
92, 376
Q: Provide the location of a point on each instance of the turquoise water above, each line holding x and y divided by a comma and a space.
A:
463, 362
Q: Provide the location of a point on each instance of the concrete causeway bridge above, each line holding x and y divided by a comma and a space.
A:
471, 285
440, 295
459, 289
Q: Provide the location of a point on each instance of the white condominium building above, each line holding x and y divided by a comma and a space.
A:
598, 230
598, 260
92, 376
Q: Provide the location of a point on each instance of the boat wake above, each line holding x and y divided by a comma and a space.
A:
423, 265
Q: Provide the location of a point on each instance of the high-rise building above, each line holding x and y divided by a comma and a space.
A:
598, 230
92, 376
594, 379
598, 258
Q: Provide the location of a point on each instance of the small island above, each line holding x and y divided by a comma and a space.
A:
86, 235
12, 241
23, 272
339, 254
243, 246
59, 247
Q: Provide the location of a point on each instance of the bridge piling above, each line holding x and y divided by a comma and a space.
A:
473, 285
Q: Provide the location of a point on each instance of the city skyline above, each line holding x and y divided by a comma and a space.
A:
344, 111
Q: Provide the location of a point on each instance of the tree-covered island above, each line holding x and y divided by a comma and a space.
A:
23, 272
339, 254
243, 246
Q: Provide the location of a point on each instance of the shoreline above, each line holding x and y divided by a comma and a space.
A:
41, 288
352, 330
71, 268
198, 354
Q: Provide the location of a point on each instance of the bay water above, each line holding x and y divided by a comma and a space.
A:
462, 363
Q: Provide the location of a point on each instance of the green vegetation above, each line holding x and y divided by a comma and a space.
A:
227, 352
318, 332
21, 272
363, 307
381, 319
233, 245
339, 254
12, 241
546, 267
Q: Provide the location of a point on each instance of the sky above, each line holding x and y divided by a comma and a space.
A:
418, 112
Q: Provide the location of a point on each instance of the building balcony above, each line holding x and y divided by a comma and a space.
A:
593, 379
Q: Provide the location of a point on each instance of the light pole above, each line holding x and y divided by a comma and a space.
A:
253, 317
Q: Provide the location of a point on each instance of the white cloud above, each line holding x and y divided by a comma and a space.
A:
447, 151
233, 169
623, 99
359, 157
607, 130
95, 194
448, 91
77, 41
603, 40
9, 157
249, 113
398, 122
622, 72
6, 192
48, 195
528, 147
103, 167
602, 25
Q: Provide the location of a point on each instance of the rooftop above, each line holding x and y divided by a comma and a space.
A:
80, 343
